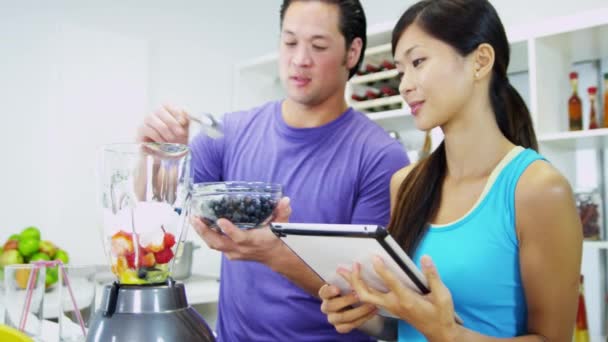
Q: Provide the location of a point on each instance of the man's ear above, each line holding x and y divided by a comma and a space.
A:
484, 61
354, 52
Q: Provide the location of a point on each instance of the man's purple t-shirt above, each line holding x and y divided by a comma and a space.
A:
337, 173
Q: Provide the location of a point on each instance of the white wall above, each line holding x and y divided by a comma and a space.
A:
75, 75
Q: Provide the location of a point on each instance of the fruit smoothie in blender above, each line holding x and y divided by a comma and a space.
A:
144, 188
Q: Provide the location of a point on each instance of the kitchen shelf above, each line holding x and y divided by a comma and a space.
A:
377, 50
587, 139
377, 76
595, 244
389, 114
385, 101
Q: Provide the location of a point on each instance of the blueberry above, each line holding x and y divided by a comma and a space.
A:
142, 273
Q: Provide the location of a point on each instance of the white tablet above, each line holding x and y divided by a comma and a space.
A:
325, 247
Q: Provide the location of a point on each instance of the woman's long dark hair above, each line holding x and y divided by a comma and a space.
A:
464, 25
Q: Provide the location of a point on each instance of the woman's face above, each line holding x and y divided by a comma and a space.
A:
436, 81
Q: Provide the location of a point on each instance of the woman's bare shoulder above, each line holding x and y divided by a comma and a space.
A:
542, 182
400, 175
544, 202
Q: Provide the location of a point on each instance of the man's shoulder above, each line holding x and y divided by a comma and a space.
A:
371, 135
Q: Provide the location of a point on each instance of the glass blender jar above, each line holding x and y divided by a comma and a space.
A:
143, 190
144, 196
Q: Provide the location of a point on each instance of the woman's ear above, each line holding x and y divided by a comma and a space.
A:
484, 61
354, 52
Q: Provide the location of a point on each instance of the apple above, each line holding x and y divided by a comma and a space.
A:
10, 257
28, 246
10, 245
40, 256
48, 248
30, 232
16, 237
62, 255
52, 275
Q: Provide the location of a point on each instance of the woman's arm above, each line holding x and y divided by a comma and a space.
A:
550, 239
550, 245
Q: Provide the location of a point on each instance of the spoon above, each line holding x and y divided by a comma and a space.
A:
208, 123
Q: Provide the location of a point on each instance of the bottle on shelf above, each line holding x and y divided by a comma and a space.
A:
592, 91
581, 330
575, 110
606, 99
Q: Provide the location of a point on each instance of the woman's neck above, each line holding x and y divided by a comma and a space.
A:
474, 145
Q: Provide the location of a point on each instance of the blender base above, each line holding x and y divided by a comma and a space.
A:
147, 313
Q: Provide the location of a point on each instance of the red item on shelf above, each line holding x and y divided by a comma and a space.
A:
370, 95
371, 68
573, 75
386, 91
387, 65
358, 97
592, 90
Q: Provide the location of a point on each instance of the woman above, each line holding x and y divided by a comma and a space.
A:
498, 220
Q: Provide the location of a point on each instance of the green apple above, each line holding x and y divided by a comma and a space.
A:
40, 256
28, 246
52, 275
48, 248
30, 232
10, 257
62, 255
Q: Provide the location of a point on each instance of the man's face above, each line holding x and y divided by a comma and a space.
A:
312, 55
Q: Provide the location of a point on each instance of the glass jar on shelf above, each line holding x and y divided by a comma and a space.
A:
589, 205
593, 123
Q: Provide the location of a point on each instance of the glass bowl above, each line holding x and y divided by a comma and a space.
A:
246, 204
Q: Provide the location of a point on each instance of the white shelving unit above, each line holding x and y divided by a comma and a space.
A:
378, 76
542, 55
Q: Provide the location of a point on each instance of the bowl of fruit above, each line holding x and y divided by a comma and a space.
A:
246, 204
27, 247
141, 258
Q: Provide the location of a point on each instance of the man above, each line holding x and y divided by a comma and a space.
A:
332, 161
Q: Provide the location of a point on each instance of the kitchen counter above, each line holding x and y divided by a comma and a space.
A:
200, 289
